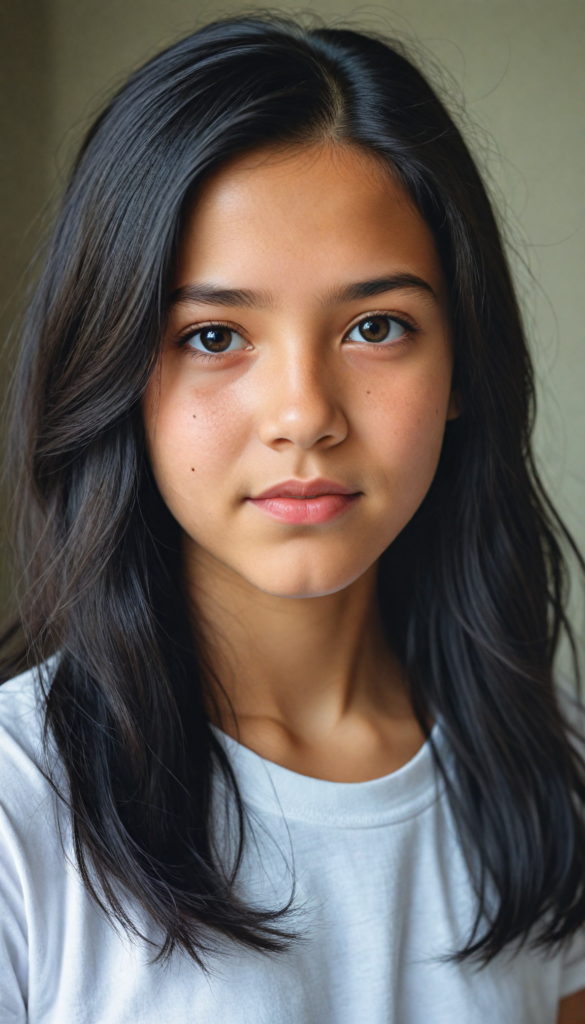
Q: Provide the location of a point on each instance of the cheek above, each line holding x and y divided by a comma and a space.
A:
194, 439
404, 425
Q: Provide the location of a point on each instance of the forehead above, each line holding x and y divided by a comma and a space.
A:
304, 219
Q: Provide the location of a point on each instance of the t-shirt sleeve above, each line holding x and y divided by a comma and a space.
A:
23, 790
573, 966
13, 929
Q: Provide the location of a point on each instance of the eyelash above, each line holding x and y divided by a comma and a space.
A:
197, 353
410, 329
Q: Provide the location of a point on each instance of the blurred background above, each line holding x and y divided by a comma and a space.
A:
513, 71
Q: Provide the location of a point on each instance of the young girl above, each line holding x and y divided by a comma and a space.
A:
289, 748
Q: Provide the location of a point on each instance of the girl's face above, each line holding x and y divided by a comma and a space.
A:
297, 412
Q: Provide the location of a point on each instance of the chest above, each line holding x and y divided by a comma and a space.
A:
375, 909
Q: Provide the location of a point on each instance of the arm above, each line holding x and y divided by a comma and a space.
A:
572, 1009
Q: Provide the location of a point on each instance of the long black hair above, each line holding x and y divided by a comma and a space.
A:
473, 590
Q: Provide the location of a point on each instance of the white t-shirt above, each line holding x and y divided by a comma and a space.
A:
381, 884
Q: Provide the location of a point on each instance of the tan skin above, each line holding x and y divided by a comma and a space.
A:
287, 254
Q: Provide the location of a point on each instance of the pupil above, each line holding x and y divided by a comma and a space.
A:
216, 339
375, 328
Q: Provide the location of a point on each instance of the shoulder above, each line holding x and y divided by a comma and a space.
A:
33, 864
25, 758
31, 823
22, 712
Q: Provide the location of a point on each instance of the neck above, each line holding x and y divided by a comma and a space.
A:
302, 678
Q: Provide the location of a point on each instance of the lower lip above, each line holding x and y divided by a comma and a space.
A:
306, 511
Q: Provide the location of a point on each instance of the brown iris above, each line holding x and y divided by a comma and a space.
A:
216, 339
374, 328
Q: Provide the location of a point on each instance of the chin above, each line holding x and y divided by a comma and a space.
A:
306, 582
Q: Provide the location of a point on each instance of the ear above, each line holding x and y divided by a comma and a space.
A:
455, 405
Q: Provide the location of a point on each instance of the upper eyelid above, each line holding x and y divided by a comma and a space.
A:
401, 318
187, 332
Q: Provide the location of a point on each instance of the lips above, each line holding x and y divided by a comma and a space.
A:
304, 489
308, 502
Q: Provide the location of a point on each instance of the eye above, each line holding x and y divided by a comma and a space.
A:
376, 329
216, 338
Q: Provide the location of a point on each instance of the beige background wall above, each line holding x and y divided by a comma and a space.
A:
518, 64
25, 97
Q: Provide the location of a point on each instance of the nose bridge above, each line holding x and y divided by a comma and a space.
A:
304, 406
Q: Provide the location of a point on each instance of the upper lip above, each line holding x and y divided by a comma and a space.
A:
304, 489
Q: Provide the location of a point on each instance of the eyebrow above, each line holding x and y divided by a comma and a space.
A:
208, 294
365, 289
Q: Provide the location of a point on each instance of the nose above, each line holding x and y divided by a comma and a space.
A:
303, 405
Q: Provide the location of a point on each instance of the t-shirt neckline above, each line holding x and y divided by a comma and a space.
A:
273, 789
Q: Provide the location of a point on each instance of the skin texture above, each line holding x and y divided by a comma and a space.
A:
288, 611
